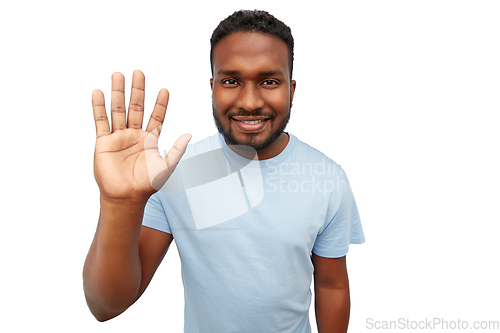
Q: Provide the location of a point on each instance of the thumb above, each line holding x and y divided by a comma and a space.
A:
159, 170
175, 153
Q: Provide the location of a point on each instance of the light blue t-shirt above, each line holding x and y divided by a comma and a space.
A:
245, 230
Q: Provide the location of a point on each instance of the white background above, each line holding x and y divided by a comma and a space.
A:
403, 94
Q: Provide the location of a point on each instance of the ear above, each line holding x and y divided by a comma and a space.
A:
212, 84
293, 84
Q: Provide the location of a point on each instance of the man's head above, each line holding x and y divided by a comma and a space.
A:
252, 88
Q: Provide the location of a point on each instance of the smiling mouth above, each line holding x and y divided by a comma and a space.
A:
251, 121
250, 124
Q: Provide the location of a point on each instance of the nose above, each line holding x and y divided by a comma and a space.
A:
249, 98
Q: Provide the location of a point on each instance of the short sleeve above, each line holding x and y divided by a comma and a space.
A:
343, 224
154, 215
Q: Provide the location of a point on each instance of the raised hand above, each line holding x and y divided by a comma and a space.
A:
127, 163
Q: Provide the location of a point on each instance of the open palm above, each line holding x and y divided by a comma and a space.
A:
127, 163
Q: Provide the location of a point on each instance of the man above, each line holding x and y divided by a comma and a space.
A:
253, 210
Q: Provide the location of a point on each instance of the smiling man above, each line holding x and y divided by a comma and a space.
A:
256, 213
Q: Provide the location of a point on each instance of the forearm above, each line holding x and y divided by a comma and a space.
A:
332, 309
112, 270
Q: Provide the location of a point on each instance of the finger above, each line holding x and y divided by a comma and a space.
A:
118, 113
158, 115
136, 105
175, 153
100, 117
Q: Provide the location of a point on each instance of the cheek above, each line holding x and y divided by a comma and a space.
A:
279, 101
221, 101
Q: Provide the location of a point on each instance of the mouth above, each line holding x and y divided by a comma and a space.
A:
250, 124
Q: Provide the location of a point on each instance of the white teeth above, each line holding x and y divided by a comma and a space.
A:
251, 122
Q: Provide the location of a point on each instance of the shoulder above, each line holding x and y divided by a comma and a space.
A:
304, 153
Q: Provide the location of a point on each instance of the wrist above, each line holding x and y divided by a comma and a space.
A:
123, 203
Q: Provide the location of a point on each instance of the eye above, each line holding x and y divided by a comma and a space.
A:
270, 82
229, 82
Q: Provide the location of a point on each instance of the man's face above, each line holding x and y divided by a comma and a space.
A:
252, 92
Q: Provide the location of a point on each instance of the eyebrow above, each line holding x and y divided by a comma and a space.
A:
265, 73
227, 72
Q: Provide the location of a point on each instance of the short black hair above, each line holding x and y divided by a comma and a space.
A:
253, 21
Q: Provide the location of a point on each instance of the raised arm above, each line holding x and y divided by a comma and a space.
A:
128, 169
